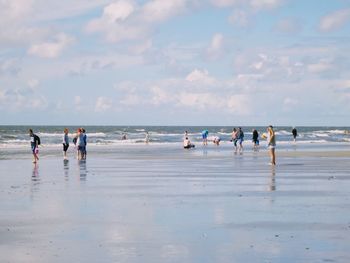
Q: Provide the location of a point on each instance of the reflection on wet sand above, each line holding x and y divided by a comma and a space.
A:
272, 185
82, 170
35, 173
66, 169
35, 180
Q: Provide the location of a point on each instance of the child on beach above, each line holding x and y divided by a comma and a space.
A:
34, 143
188, 144
65, 143
217, 140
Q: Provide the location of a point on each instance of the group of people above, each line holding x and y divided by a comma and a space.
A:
237, 137
79, 140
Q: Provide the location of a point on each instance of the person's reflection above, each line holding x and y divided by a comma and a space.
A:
82, 170
272, 184
35, 180
35, 173
66, 169
205, 151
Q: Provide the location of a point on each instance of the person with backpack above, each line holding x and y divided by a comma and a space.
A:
34, 143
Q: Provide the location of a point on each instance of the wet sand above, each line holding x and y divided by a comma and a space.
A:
157, 204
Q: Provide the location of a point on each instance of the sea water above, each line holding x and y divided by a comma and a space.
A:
17, 136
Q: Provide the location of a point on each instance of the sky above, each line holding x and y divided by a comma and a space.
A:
175, 62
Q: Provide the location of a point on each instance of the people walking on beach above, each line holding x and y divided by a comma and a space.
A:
255, 140
65, 143
240, 137
271, 142
205, 137
234, 138
295, 134
34, 143
188, 144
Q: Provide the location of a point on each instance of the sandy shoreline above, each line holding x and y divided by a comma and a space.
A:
169, 205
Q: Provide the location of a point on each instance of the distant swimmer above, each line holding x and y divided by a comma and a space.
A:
65, 142
295, 134
34, 143
147, 138
255, 140
188, 144
217, 140
124, 136
205, 137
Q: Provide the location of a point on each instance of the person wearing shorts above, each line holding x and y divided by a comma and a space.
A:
205, 137
271, 142
34, 144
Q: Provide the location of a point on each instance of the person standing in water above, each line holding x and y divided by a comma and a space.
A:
295, 134
65, 143
205, 137
240, 138
234, 138
271, 143
34, 144
255, 140
147, 137
85, 143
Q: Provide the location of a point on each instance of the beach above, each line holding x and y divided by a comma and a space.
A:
153, 203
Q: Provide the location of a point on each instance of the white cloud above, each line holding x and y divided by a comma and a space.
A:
288, 26
118, 11
320, 67
335, 20
239, 18
160, 10
289, 104
200, 101
103, 104
216, 48
17, 100
160, 96
254, 4
265, 4
240, 104
142, 47
126, 20
33, 83
53, 48
200, 76
78, 103
131, 100
226, 3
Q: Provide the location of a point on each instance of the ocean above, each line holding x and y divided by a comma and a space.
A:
17, 136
